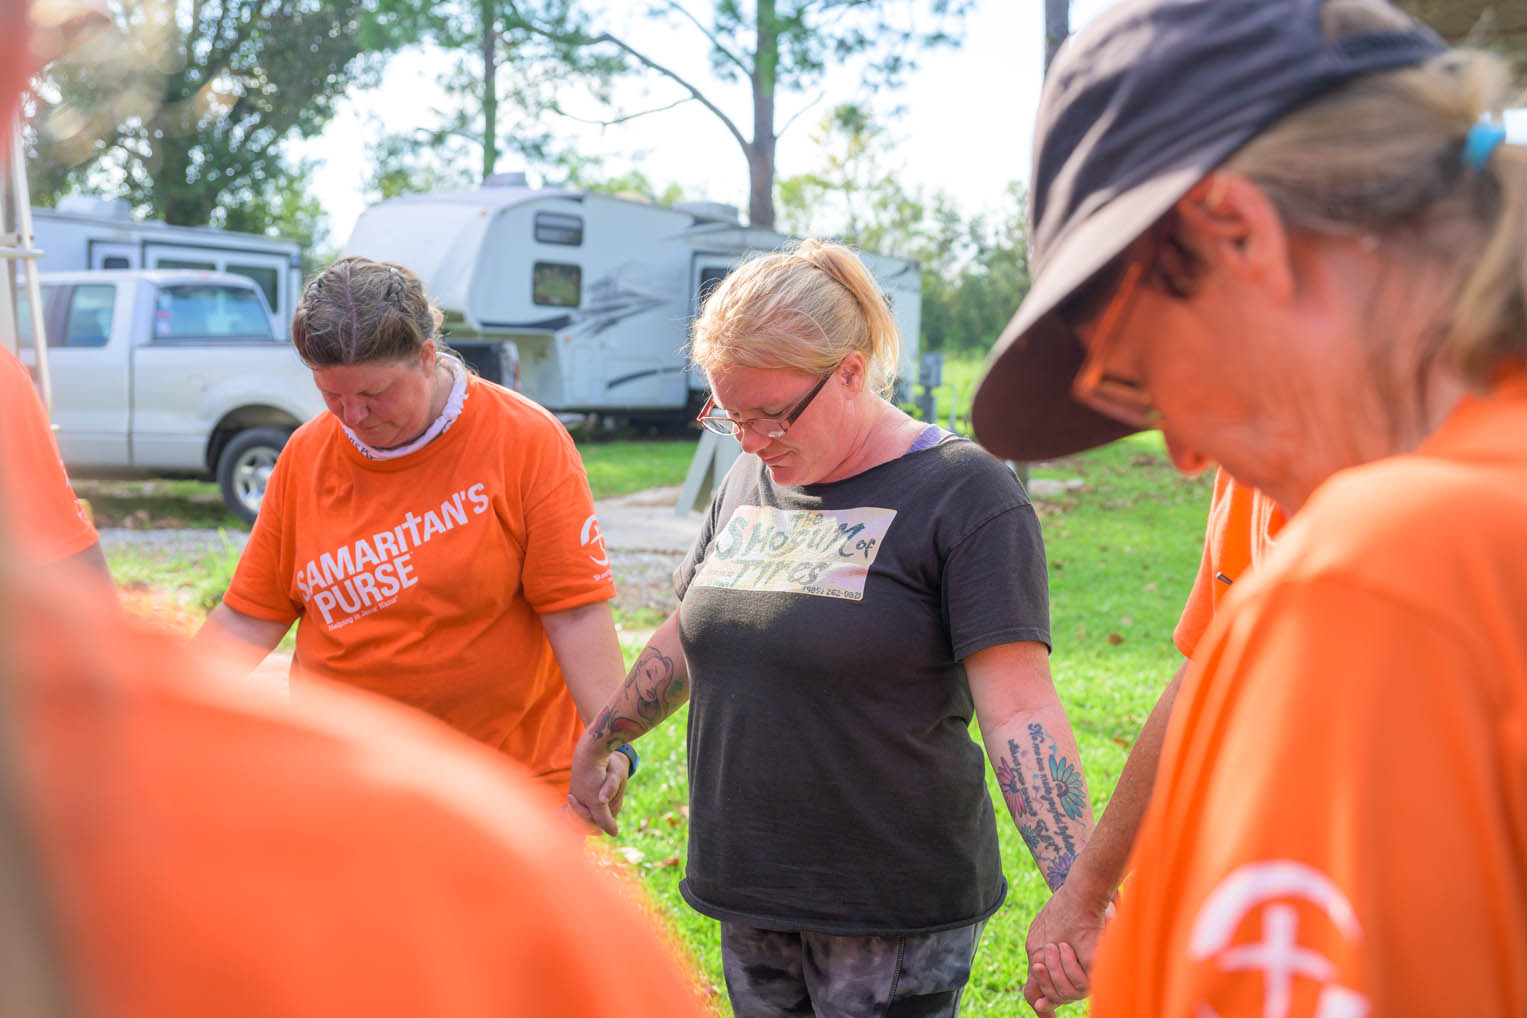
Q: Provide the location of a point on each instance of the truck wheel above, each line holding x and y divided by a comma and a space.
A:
244, 467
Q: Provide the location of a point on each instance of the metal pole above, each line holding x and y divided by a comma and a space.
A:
27, 252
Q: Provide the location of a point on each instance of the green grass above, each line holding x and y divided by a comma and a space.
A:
623, 466
1122, 551
155, 504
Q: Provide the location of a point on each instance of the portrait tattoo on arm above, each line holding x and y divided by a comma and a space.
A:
657, 692
1047, 798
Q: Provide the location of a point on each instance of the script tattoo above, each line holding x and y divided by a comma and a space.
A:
1045, 795
657, 692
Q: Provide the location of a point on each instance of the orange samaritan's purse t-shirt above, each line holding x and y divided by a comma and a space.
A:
1340, 821
1241, 527
40, 506
208, 852
421, 578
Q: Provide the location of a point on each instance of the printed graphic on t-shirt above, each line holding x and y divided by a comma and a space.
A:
1275, 888
823, 552
369, 573
592, 539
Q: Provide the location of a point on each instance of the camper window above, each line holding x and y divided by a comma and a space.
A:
710, 278
115, 262
558, 228
265, 277
181, 263
556, 285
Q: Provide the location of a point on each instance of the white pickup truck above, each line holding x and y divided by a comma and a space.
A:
170, 373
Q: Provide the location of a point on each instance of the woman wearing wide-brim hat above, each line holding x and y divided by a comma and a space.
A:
1292, 236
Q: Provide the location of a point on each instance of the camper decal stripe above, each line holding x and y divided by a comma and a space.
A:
559, 322
633, 376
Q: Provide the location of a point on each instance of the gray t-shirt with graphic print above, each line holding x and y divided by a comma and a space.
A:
834, 783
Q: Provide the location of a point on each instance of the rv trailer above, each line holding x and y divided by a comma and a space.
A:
96, 233
597, 291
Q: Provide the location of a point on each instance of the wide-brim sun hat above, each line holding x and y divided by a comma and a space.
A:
1136, 109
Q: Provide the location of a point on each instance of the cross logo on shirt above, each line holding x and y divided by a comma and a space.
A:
592, 538
1278, 955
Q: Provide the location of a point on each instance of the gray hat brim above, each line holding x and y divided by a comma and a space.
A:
1023, 408
1137, 108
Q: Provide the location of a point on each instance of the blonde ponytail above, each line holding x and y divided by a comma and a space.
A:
804, 308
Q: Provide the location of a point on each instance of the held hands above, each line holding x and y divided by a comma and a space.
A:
598, 785
1061, 944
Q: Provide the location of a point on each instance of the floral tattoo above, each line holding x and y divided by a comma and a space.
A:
1047, 797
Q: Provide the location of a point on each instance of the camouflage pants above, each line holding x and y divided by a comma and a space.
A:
798, 975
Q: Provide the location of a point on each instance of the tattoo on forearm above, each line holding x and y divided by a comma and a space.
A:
657, 692
1046, 795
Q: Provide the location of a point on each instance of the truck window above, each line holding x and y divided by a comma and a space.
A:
554, 284
265, 277
89, 319
558, 228
203, 312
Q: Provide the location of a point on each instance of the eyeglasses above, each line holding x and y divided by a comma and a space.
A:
713, 418
1125, 399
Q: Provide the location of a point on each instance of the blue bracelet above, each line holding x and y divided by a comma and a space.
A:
629, 752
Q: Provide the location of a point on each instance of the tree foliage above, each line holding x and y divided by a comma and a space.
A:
502, 78
977, 274
771, 48
183, 106
854, 194
287, 208
411, 162
975, 266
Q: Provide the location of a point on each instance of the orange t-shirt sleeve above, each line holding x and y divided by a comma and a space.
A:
1199, 611
566, 564
1392, 786
260, 587
41, 505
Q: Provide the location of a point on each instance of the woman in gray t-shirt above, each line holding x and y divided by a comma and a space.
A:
864, 584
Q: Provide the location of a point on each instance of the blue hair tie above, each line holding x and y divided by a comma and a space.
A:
1480, 144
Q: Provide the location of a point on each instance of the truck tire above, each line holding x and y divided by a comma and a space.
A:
244, 468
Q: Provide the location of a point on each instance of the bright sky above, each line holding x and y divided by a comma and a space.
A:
966, 130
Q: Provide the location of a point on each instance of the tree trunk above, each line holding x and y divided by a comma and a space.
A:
1057, 27
761, 151
489, 89
761, 185
176, 203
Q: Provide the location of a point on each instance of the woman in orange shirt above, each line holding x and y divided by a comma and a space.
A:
432, 534
1292, 235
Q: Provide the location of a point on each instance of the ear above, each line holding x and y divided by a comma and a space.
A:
853, 371
1233, 225
427, 352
